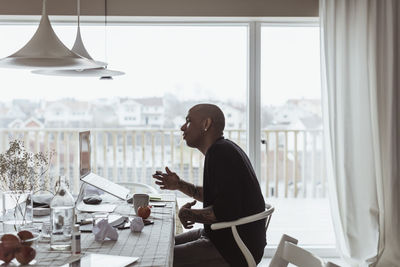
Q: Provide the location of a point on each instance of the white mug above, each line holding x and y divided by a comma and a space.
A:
140, 200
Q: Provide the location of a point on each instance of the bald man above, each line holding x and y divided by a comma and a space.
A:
230, 191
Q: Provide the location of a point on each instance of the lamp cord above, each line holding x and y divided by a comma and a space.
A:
44, 12
105, 32
79, 12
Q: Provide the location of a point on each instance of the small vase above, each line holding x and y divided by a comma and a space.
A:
17, 210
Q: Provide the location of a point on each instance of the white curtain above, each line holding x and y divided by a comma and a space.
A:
360, 42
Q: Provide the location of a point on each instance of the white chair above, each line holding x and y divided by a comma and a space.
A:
269, 209
288, 252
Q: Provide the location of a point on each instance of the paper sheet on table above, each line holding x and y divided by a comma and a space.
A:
96, 208
162, 197
94, 260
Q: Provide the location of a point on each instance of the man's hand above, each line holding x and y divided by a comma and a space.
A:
171, 181
185, 215
168, 180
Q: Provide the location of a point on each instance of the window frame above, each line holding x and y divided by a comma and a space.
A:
253, 101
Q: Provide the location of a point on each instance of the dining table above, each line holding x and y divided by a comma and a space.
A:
153, 246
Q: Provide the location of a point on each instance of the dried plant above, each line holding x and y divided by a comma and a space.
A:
22, 170
22, 173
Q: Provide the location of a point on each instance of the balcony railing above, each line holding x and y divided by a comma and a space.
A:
292, 164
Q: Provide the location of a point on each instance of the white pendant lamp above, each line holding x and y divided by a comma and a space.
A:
79, 48
46, 51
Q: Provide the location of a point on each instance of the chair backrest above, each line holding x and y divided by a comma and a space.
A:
269, 210
301, 257
252, 218
288, 252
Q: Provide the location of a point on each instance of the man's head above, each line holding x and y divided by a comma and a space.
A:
204, 122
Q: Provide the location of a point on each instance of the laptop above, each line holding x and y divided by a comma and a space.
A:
87, 176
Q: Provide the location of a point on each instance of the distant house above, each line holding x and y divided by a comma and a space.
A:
17, 123
67, 113
27, 106
56, 114
104, 116
79, 113
152, 111
14, 112
11, 114
33, 123
141, 112
29, 123
235, 117
128, 112
297, 114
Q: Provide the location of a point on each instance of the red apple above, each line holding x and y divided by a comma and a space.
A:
10, 241
6, 254
144, 212
25, 235
25, 255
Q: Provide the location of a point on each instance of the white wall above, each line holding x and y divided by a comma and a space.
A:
218, 8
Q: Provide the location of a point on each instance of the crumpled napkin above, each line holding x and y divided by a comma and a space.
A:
103, 229
137, 224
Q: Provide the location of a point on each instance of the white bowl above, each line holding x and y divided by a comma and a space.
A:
41, 211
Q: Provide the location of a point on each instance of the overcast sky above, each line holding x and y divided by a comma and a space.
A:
192, 62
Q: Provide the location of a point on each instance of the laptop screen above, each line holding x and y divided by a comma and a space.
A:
84, 153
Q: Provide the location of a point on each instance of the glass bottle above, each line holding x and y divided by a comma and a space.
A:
62, 210
76, 240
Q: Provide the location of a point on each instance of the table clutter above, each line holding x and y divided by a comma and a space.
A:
121, 233
137, 225
54, 229
103, 230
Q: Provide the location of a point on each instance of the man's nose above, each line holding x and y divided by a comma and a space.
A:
183, 127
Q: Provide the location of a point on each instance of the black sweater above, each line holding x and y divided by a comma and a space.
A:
231, 186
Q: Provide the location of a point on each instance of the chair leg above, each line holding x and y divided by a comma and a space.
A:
246, 253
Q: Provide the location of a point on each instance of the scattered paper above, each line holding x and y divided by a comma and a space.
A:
162, 197
137, 224
95, 208
103, 230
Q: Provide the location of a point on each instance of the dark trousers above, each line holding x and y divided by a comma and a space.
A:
194, 249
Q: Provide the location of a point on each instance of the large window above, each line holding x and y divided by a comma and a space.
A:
293, 172
135, 118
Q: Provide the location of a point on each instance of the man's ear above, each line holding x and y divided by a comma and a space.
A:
207, 124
